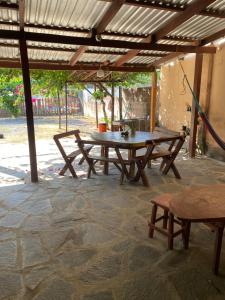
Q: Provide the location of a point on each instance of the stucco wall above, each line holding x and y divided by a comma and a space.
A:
174, 98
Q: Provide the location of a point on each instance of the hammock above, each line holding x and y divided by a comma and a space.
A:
203, 116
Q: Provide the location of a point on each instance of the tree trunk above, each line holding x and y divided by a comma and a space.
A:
104, 111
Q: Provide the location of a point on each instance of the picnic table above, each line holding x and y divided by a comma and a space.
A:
137, 141
202, 204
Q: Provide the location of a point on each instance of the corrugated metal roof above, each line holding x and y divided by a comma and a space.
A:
199, 27
65, 13
85, 14
100, 58
138, 20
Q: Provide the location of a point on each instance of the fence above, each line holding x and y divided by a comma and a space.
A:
51, 107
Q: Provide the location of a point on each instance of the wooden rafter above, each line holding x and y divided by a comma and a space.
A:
109, 15
99, 28
70, 40
77, 55
165, 59
172, 7
213, 37
6, 5
21, 14
79, 67
194, 8
180, 18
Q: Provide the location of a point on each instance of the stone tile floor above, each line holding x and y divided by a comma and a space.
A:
82, 239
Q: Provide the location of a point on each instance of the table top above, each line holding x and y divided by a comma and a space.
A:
200, 203
132, 141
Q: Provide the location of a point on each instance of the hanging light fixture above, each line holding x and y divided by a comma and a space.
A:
100, 73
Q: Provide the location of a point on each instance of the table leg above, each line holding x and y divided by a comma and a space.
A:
186, 232
106, 164
131, 155
218, 244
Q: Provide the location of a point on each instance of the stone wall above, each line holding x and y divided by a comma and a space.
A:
136, 103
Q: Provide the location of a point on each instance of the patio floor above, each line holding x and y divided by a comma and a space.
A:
87, 239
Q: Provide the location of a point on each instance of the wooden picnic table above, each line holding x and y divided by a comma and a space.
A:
132, 143
202, 204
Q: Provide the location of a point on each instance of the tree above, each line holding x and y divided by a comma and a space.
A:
11, 91
99, 94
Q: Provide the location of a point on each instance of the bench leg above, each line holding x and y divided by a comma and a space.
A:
153, 220
65, 168
218, 244
170, 231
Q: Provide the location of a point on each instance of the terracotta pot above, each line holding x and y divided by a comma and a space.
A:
102, 127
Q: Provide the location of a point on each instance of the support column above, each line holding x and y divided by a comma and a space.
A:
29, 109
208, 97
96, 109
59, 109
66, 104
113, 104
194, 113
120, 103
153, 101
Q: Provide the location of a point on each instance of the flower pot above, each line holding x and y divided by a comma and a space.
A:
102, 127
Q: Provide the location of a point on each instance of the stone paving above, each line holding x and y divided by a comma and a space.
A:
66, 238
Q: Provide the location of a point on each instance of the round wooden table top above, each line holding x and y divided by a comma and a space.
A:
200, 203
131, 141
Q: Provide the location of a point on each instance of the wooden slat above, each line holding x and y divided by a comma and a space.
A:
172, 7
21, 13
77, 55
192, 9
153, 101
194, 114
108, 16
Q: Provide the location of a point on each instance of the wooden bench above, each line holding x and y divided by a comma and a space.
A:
69, 158
119, 162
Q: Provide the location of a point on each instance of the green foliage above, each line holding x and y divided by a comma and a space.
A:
128, 80
11, 90
99, 94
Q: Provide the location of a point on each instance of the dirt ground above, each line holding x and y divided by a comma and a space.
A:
15, 129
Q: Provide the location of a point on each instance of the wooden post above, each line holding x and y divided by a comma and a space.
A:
194, 113
113, 104
120, 103
153, 101
66, 104
208, 96
29, 109
59, 110
96, 109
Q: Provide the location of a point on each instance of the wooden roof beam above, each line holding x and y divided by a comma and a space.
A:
194, 8
21, 14
70, 40
78, 67
6, 5
172, 7
109, 15
180, 18
213, 37
77, 55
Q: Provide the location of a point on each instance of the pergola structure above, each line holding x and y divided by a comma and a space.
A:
114, 35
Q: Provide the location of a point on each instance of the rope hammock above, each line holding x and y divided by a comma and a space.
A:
203, 116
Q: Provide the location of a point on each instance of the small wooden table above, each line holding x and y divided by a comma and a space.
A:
131, 143
205, 205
